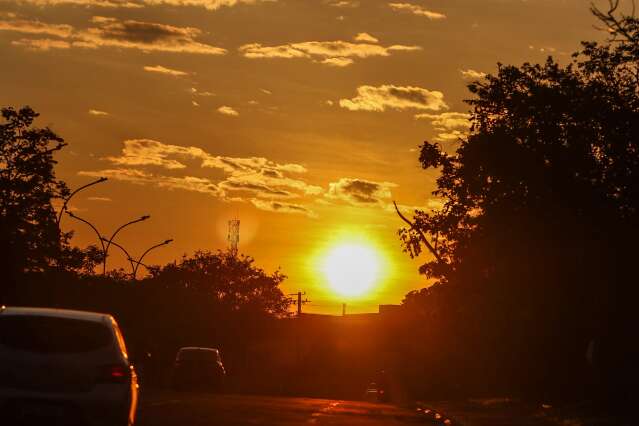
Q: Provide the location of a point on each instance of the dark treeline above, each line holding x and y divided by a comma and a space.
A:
534, 250
214, 299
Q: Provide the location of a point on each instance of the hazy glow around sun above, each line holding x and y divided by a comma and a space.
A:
351, 269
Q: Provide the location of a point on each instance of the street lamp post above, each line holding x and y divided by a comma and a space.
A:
139, 261
110, 240
126, 253
100, 238
66, 200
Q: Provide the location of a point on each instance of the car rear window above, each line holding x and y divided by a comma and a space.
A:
49, 335
197, 355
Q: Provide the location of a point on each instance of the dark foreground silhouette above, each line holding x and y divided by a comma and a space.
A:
533, 254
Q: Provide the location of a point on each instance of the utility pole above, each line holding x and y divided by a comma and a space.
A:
343, 309
299, 302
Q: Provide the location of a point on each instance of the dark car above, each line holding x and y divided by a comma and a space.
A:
198, 368
64, 367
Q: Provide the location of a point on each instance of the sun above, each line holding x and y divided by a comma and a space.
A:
352, 269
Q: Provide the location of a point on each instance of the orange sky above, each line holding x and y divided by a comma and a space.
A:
300, 117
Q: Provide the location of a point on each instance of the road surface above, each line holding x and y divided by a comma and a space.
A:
192, 409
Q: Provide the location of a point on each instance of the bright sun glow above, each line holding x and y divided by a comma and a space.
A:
351, 269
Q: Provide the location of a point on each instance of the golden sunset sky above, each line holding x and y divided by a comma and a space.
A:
302, 118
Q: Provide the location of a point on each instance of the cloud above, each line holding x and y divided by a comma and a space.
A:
416, 10
452, 135
252, 177
451, 125
140, 177
259, 189
190, 183
196, 92
360, 191
338, 62
343, 3
207, 4
447, 120
227, 110
265, 184
111, 32
163, 70
126, 175
42, 44
328, 52
102, 199
98, 113
365, 37
280, 207
381, 98
35, 27
470, 74
87, 3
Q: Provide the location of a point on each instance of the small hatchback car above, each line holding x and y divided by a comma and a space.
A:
64, 367
198, 368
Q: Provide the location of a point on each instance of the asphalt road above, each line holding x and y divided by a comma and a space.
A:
193, 409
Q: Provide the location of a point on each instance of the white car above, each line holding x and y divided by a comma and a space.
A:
64, 367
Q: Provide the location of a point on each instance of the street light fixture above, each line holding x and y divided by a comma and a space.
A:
126, 253
139, 261
100, 238
66, 200
106, 249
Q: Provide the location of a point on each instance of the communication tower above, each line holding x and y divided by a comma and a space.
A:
234, 235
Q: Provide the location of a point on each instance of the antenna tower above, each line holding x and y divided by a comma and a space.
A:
234, 235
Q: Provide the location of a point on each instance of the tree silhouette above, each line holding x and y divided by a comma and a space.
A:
29, 237
233, 283
536, 236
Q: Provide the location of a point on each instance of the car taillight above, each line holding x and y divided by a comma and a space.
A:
114, 374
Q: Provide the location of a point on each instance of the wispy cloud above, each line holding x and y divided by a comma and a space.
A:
35, 27
98, 113
343, 3
207, 4
327, 52
101, 199
447, 120
197, 92
281, 207
147, 162
227, 110
164, 70
111, 32
416, 10
338, 62
360, 191
471, 74
127, 4
451, 125
381, 98
366, 37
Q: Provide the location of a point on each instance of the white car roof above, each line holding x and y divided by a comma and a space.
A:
58, 313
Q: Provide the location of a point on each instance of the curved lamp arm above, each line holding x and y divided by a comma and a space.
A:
66, 200
100, 238
110, 240
139, 261
126, 253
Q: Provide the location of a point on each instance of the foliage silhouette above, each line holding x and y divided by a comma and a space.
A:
535, 239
